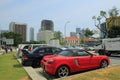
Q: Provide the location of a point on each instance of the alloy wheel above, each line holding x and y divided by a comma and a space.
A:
103, 64
63, 71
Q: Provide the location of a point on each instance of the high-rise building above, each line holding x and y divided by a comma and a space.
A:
46, 32
47, 25
20, 28
80, 33
31, 34
73, 34
45, 36
78, 30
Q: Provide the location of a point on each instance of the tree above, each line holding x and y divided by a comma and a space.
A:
113, 13
103, 14
114, 31
88, 32
57, 35
11, 35
98, 25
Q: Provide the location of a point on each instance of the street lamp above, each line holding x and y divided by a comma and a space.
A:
65, 27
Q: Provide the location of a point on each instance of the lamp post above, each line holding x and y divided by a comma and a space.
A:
65, 27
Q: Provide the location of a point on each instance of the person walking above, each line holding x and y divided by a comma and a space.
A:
10, 48
6, 48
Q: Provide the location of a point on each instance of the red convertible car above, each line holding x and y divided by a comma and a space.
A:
72, 60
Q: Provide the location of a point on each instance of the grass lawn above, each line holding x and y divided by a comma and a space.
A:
110, 73
10, 69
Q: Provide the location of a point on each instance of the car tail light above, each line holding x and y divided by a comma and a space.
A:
50, 61
24, 57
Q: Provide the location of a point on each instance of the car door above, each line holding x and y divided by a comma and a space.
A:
85, 60
39, 53
48, 51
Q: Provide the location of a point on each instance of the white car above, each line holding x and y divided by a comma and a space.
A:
20, 48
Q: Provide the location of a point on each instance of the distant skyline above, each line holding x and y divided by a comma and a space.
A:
78, 12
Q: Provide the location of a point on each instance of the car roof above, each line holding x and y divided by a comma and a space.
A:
47, 47
73, 50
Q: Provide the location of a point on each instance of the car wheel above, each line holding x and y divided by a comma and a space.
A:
108, 53
23, 63
103, 64
36, 63
62, 71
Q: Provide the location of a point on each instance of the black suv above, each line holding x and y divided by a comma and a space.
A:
34, 57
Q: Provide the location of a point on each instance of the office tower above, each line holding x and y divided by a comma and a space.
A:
47, 25
31, 34
20, 28
73, 34
45, 36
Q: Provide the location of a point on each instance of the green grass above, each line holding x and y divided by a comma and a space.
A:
10, 69
110, 73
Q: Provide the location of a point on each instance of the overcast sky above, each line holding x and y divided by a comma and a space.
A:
32, 12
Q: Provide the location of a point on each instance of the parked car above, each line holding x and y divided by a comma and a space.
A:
79, 47
62, 47
27, 47
91, 48
32, 46
33, 58
20, 48
72, 60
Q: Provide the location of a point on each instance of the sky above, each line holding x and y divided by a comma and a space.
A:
78, 13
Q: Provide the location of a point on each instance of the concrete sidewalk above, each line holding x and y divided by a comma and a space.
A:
32, 74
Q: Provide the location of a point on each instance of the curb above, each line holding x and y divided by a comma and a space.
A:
32, 74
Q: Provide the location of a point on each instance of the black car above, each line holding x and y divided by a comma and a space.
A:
33, 58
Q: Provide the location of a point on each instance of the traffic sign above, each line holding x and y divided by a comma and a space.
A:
9, 41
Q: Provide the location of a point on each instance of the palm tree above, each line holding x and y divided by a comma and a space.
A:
111, 21
103, 14
98, 25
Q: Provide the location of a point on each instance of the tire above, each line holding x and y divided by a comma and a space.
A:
23, 63
108, 53
36, 63
103, 64
62, 71
100, 52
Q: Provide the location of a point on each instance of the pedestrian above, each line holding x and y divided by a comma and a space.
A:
6, 49
11, 49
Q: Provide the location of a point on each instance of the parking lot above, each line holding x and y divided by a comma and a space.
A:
114, 60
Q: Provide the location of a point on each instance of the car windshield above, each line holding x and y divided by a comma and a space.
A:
35, 49
74, 52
